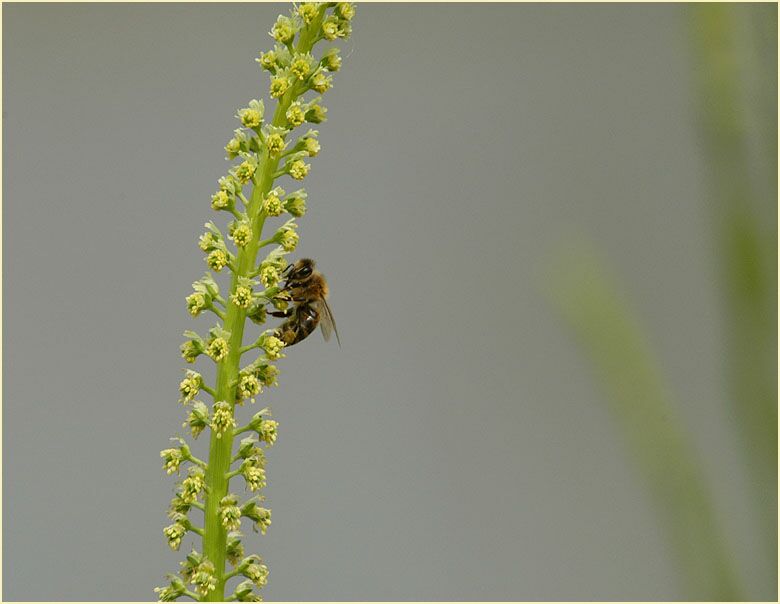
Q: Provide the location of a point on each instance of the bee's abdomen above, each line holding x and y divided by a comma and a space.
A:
304, 321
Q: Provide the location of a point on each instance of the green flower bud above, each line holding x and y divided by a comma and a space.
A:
178, 506
229, 512
198, 418
331, 59
190, 386
174, 534
235, 549
260, 516
193, 348
345, 29
257, 313
320, 82
283, 30
242, 234
295, 204
217, 260
301, 65
171, 592
267, 374
236, 145
249, 447
222, 420
316, 114
244, 593
311, 145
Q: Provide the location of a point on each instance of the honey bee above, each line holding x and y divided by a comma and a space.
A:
308, 291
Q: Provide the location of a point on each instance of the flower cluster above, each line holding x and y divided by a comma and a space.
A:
268, 145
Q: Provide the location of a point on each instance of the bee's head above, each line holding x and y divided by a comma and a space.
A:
300, 271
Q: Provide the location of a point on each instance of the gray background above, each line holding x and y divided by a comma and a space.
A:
456, 447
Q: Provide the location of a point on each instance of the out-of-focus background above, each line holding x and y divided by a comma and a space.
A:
550, 233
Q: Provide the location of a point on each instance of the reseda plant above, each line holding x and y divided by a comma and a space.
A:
267, 152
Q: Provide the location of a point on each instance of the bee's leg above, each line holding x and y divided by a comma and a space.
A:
282, 313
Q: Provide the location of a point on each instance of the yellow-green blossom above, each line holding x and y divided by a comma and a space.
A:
320, 82
242, 297
275, 143
242, 234
330, 28
248, 386
301, 65
307, 11
267, 60
272, 205
273, 347
299, 169
245, 170
257, 573
229, 513
203, 578
283, 30
172, 459
253, 474
196, 303
174, 533
346, 10
268, 431
190, 386
295, 114
222, 420
217, 349
217, 260
220, 200
192, 486
279, 85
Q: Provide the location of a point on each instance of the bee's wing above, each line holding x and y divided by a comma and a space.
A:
327, 322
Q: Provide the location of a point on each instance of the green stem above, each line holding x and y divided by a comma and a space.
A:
220, 451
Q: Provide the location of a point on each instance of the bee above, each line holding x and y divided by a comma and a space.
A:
308, 290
